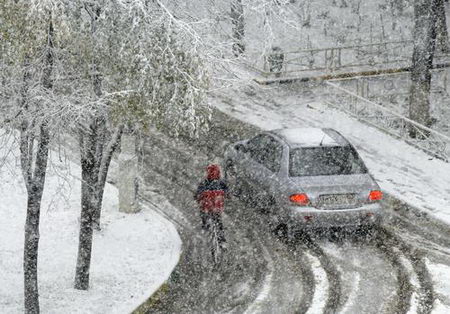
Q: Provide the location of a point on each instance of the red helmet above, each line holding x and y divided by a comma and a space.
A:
213, 172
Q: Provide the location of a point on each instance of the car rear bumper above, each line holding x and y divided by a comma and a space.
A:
312, 218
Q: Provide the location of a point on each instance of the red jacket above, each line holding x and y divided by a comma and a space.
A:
211, 191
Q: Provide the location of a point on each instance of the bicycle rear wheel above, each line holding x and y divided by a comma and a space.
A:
216, 250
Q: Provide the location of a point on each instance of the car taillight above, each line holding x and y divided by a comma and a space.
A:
375, 195
300, 199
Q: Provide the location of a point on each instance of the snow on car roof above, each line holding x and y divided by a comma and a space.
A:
307, 137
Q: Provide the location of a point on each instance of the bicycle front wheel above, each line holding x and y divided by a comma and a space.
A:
215, 245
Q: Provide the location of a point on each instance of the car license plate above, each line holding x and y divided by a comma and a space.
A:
338, 200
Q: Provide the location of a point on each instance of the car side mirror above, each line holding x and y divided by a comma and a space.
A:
241, 148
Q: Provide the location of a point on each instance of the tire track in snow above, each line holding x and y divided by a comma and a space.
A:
391, 246
367, 277
352, 296
266, 285
310, 277
403, 291
334, 291
318, 302
414, 304
416, 258
289, 281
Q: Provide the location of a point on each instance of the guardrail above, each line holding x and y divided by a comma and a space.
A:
331, 59
389, 121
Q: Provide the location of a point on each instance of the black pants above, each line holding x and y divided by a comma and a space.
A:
215, 219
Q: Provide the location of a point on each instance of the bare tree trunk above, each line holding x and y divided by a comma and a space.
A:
34, 168
103, 168
441, 27
35, 190
95, 161
88, 202
422, 61
238, 27
30, 257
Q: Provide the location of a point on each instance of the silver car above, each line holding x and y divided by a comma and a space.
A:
306, 178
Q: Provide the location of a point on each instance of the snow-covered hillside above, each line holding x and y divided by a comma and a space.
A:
132, 255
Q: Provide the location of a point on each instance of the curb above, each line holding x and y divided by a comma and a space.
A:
161, 293
154, 299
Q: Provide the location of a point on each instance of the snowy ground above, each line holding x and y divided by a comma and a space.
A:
132, 255
442, 289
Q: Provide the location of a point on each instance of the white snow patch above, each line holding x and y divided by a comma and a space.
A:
321, 288
440, 308
440, 274
132, 255
353, 294
414, 305
307, 137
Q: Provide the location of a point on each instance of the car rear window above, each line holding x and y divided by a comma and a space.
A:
325, 161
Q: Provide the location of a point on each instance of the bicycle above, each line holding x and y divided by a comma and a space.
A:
214, 240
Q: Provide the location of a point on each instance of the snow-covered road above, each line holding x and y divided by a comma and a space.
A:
389, 273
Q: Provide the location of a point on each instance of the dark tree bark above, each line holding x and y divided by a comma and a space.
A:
238, 27
35, 188
441, 27
97, 146
422, 61
88, 202
34, 167
107, 154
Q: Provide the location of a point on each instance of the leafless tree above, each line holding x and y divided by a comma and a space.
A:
238, 30
425, 15
28, 61
441, 27
98, 140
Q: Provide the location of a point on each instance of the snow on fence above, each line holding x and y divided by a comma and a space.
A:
389, 121
328, 60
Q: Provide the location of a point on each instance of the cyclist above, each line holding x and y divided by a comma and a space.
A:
210, 195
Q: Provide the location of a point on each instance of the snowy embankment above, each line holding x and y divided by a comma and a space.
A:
132, 255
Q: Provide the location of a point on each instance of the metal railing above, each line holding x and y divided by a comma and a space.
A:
389, 121
393, 90
331, 59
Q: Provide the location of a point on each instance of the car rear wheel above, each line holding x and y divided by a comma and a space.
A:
368, 231
281, 230
288, 233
